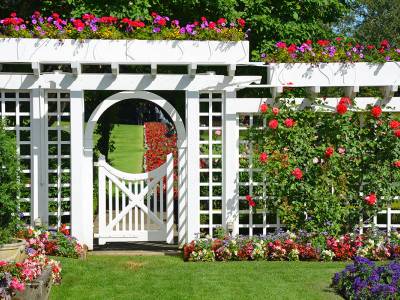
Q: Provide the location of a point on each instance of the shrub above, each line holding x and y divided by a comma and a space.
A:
9, 187
364, 280
316, 165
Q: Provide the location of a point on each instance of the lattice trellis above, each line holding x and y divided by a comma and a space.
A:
211, 139
15, 111
58, 157
252, 220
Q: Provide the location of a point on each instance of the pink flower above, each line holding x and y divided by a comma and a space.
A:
17, 285
370, 199
273, 124
218, 132
2, 263
341, 150
275, 110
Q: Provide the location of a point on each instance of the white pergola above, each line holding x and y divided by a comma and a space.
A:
209, 163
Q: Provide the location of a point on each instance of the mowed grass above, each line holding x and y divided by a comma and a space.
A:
168, 277
129, 148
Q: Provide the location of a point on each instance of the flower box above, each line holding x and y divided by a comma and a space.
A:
123, 51
13, 252
39, 289
334, 74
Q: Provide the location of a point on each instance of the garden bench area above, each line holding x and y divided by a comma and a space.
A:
259, 158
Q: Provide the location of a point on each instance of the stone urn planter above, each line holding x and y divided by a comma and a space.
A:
14, 251
39, 289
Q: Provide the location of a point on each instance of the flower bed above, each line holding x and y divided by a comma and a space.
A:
109, 27
364, 280
295, 246
39, 244
158, 145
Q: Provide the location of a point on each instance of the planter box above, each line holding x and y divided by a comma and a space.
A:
123, 51
334, 74
13, 252
39, 289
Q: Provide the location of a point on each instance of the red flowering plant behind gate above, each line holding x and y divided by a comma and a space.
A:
158, 145
326, 170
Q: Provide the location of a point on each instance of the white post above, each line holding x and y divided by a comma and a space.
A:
193, 163
170, 199
81, 210
39, 163
102, 198
182, 194
230, 163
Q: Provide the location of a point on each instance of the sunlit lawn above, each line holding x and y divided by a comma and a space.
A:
168, 277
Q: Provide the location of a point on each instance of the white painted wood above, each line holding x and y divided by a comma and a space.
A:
182, 194
230, 202
81, 210
123, 51
102, 195
125, 82
170, 200
334, 74
193, 161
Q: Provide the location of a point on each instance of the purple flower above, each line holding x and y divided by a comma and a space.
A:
387, 58
263, 55
182, 30
156, 29
34, 21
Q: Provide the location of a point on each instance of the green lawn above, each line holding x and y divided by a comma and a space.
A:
168, 277
129, 148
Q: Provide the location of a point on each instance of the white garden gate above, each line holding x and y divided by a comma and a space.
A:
136, 207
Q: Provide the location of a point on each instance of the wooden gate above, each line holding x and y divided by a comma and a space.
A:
136, 207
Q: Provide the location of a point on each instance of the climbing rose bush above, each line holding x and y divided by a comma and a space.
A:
324, 170
89, 26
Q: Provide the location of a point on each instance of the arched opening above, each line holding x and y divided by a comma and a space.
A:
170, 124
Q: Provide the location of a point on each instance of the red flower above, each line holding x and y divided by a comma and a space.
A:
370, 199
345, 101
273, 124
221, 21
291, 48
396, 164
289, 122
309, 42
241, 22
329, 152
341, 109
397, 133
250, 200
263, 157
275, 110
370, 47
394, 124
385, 44
297, 173
263, 107
323, 43
376, 111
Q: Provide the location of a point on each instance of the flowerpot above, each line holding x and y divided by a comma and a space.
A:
39, 289
123, 51
13, 252
334, 74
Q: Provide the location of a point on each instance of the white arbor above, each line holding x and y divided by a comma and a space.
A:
46, 111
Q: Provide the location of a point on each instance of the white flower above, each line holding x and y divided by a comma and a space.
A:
315, 160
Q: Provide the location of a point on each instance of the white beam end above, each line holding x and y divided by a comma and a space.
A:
114, 68
153, 69
36, 68
192, 69
76, 68
231, 70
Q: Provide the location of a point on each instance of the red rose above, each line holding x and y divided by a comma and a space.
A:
273, 124
341, 109
370, 199
263, 157
329, 152
309, 42
397, 164
252, 203
376, 111
397, 133
345, 101
275, 110
297, 173
385, 44
394, 124
289, 122
263, 107
241, 22
249, 198
323, 43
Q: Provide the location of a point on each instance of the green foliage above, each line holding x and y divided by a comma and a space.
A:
9, 187
330, 195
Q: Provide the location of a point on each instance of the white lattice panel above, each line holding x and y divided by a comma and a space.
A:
211, 138
15, 112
